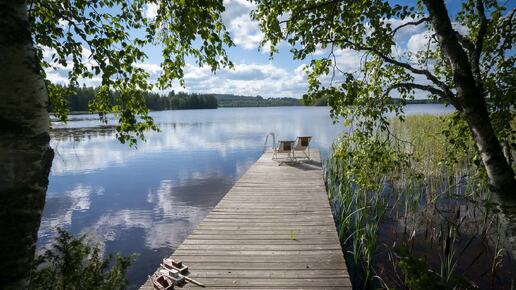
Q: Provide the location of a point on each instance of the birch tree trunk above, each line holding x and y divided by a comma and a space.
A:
25, 154
471, 97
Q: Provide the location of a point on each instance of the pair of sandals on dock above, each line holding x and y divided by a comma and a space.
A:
172, 273
301, 144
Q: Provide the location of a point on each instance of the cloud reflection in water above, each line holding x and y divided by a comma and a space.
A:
147, 200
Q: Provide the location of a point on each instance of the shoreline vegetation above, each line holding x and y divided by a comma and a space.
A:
419, 215
79, 100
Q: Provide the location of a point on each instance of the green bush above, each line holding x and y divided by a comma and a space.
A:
72, 264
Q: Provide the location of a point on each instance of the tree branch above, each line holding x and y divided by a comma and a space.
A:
424, 72
415, 23
412, 86
431, 89
466, 43
475, 56
404, 65
482, 30
459, 62
295, 14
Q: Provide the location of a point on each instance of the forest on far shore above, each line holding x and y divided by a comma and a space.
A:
79, 100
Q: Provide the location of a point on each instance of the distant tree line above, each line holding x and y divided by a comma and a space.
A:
323, 101
81, 96
229, 100
180, 101
79, 99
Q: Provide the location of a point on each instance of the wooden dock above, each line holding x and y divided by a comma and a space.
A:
273, 230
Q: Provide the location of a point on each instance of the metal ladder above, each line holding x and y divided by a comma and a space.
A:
267, 139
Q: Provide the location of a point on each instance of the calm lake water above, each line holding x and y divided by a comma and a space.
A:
147, 200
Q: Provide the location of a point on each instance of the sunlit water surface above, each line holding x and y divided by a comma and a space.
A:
147, 200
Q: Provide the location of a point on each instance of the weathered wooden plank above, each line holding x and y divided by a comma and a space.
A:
273, 230
271, 259
271, 274
191, 241
289, 247
237, 252
264, 226
285, 266
274, 283
261, 224
298, 237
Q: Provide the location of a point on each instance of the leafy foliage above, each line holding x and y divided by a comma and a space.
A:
73, 264
318, 30
105, 39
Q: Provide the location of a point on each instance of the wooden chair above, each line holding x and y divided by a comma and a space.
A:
284, 147
302, 144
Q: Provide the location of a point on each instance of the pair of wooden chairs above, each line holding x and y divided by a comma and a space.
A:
301, 144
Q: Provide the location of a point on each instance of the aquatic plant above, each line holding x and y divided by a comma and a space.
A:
413, 210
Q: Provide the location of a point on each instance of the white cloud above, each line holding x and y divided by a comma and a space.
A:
418, 42
236, 8
151, 10
266, 80
460, 28
244, 31
348, 60
319, 51
153, 69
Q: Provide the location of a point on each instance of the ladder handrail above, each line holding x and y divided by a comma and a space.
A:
267, 139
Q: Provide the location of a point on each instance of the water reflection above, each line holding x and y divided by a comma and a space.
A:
59, 208
147, 200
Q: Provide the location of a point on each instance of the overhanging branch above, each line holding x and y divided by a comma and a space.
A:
390, 60
428, 88
415, 23
475, 55
482, 30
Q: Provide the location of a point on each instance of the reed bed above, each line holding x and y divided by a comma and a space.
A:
413, 210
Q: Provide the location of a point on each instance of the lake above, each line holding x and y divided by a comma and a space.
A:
148, 199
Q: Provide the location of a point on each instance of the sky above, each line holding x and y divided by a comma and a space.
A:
255, 73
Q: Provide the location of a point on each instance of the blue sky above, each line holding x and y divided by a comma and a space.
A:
255, 73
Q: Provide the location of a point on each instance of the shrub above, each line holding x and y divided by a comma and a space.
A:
72, 263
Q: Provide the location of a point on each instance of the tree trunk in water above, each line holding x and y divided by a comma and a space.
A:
499, 171
25, 154
507, 152
470, 95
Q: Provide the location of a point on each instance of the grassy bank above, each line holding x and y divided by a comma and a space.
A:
413, 210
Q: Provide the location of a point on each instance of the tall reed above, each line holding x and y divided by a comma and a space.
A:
413, 210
